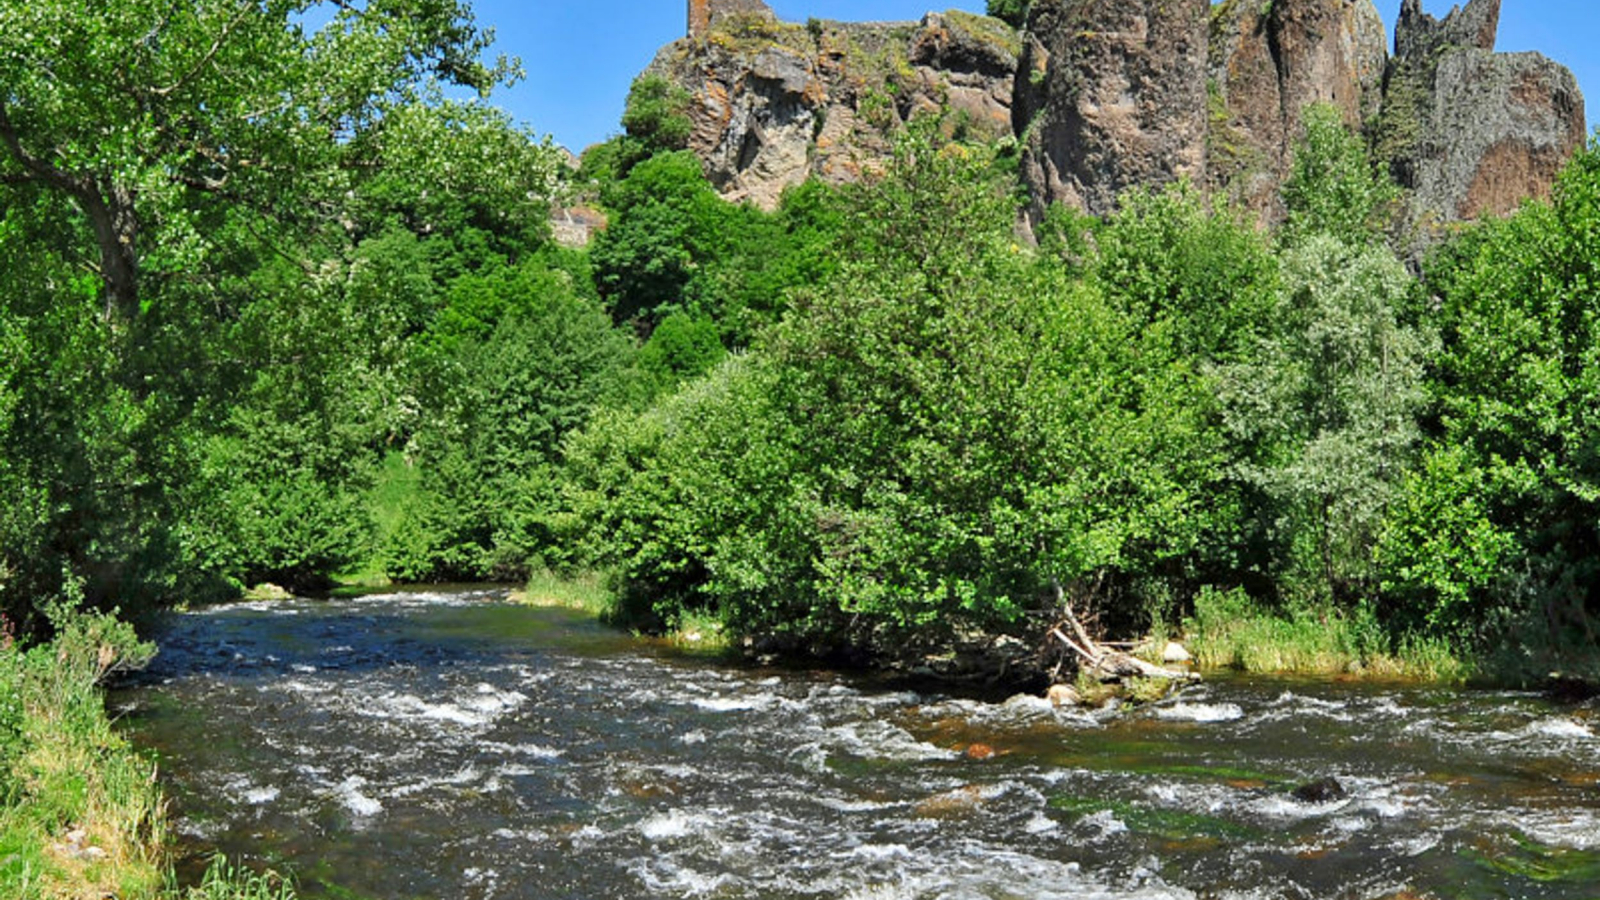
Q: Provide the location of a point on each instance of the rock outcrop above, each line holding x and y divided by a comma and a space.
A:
1267, 63
1104, 95
774, 103
1115, 97
1467, 131
1111, 97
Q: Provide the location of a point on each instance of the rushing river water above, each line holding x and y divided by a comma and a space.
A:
444, 745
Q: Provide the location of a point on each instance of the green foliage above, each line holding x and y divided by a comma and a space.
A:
1012, 12
681, 347
940, 430
1333, 187
657, 115
191, 416
1511, 464
673, 245
503, 406
1332, 401
666, 222
1229, 630
1200, 287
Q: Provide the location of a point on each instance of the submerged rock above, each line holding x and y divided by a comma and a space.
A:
1324, 790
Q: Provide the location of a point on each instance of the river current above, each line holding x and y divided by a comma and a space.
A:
446, 744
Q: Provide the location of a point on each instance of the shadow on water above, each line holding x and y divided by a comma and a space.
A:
444, 744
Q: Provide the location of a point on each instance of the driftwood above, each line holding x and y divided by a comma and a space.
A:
1102, 660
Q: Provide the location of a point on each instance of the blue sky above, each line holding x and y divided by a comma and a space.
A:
581, 56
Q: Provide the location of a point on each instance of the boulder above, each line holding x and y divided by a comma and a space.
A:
1064, 695
1175, 654
1323, 790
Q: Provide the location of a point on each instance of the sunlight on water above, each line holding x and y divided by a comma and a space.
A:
443, 744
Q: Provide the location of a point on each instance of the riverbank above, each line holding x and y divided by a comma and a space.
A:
1226, 632
81, 813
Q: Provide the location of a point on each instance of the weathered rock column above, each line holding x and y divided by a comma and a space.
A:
1115, 97
1267, 66
1470, 132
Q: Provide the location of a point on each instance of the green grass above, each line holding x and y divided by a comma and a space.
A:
397, 484
1229, 631
81, 814
587, 592
700, 634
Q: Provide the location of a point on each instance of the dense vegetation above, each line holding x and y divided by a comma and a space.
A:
279, 306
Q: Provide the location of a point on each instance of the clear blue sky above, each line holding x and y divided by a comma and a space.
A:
581, 55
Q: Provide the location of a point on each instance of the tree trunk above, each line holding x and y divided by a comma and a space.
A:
111, 213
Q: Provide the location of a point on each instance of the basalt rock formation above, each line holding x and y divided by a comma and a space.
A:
774, 103
1115, 97
1267, 63
1467, 131
1104, 95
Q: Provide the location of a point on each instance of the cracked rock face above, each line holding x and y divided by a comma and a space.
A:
1267, 63
1105, 95
1116, 97
1467, 131
776, 103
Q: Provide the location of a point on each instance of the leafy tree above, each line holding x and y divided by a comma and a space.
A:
209, 165
1334, 400
136, 113
1333, 186
937, 433
667, 222
528, 369
657, 115
1516, 396
1201, 287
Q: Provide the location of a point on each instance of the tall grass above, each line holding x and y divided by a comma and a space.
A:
1230, 631
588, 592
81, 814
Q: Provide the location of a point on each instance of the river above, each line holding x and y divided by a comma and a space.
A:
446, 744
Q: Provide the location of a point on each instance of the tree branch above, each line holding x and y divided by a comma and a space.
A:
206, 58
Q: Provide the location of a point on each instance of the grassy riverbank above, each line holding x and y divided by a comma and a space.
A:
592, 593
81, 814
1226, 631
1229, 631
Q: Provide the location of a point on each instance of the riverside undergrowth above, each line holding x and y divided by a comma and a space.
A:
81, 812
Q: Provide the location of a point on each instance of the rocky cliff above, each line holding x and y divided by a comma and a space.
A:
1115, 96
1266, 64
774, 103
1468, 131
1108, 94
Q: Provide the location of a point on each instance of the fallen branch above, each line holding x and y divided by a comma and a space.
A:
1100, 659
